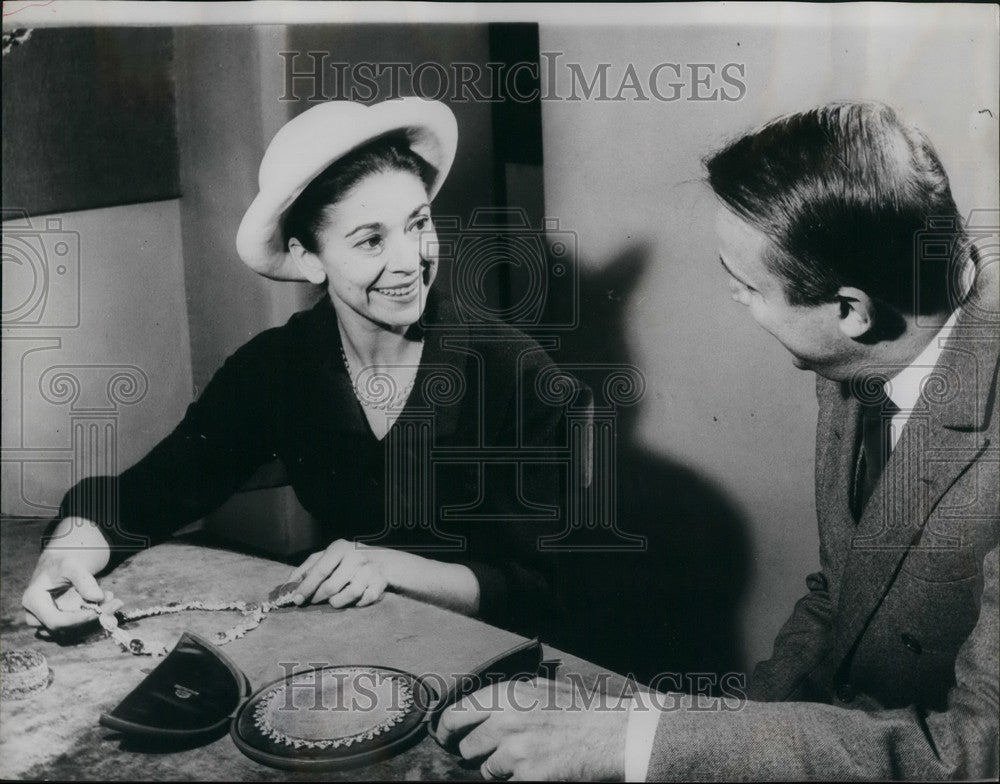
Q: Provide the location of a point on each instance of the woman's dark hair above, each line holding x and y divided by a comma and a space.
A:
844, 191
306, 217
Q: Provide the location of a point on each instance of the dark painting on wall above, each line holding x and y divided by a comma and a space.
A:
88, 120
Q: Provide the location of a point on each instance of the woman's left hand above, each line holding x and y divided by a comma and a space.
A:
344, 574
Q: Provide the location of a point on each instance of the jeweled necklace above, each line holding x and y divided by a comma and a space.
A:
388, 700
253, 613
392, 402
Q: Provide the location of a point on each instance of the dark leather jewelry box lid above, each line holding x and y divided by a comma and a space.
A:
194, 691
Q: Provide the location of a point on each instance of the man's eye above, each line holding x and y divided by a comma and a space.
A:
421, 223
370, 243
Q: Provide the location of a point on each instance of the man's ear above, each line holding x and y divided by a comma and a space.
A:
308, 263
857, 312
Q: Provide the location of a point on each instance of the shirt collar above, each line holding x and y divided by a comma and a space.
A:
904, 388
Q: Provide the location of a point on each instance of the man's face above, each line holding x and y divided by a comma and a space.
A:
810, 333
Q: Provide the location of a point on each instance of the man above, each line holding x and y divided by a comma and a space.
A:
888, 667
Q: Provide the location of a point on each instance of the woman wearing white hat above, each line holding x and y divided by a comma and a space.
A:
344, 202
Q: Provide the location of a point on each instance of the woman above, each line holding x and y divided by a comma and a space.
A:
344, 202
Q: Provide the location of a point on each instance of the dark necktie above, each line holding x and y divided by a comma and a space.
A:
876, 444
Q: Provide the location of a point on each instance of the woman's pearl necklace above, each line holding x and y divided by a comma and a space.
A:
392, 402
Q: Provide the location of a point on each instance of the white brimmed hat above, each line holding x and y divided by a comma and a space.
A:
309, 143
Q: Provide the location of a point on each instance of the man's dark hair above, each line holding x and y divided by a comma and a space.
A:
306, 218
842, 191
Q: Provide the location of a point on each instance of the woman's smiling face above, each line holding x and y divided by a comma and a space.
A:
377, 248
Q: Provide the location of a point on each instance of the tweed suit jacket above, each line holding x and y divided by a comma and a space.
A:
888, 667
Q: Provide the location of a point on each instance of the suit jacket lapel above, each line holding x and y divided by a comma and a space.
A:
948, 431
891, 522
943, 436
837, 437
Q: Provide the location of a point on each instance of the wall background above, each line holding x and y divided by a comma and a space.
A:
123, 299
719, 452
722, 396
78, 143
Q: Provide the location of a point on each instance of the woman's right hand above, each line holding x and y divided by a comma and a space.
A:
64, 577
345, 573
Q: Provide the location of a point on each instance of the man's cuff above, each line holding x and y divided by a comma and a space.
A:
640, 732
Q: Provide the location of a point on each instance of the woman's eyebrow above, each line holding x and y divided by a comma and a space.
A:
376, 225
363, 226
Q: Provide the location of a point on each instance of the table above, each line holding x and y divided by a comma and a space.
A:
55, 734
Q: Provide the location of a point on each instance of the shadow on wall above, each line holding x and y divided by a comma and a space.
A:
673, 608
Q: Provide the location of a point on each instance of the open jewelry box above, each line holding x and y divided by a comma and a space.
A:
328, 718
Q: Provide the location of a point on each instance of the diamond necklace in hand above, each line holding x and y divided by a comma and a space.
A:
382, 383
252, 615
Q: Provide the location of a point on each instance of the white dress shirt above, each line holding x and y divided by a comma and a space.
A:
905, 387
904, 390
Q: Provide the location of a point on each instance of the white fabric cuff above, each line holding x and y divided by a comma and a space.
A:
640, 732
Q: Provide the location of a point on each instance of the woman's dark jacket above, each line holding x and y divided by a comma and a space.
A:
453, 480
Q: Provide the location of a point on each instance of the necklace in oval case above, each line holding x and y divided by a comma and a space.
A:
391, 402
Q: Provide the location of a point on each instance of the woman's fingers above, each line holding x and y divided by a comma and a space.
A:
85, 583
42, 611
321, 569
299, 571
349, 595
372, 594
340, 577
110, 603
39, 599
366, 587
342, 574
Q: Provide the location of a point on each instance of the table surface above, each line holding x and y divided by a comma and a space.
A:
55, 734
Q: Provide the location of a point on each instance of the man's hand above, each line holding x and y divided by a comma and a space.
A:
537, 730
64, 577
345, 573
